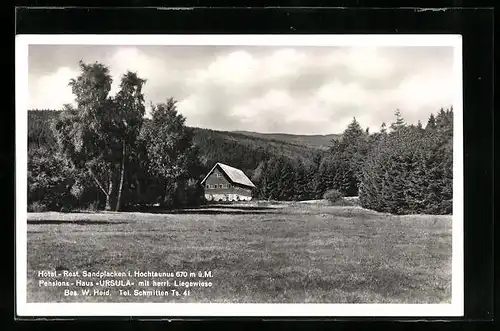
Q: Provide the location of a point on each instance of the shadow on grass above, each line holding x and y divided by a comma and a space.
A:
237, 207
77, 222
210, 212
212, 209
150, 209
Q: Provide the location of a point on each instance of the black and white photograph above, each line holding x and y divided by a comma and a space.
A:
257, 175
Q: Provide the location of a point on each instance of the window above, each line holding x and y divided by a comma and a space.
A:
217, 175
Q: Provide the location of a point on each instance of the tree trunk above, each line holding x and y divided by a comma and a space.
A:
108, 203
110, 192
167, 194
138, 188
122, 174
106, 193
97, 181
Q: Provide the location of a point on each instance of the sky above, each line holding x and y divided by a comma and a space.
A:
297, 90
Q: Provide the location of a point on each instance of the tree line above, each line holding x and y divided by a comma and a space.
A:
401, 169
103, 153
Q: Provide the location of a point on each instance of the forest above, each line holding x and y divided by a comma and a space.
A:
104, 154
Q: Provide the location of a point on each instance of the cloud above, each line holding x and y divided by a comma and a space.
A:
51, 91
308, 90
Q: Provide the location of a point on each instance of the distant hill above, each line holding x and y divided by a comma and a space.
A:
313, 141
247, 150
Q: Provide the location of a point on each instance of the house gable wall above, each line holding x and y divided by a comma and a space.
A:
214, 191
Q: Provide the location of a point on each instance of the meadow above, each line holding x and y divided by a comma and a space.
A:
256, 253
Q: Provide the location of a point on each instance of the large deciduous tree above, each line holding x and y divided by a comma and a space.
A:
94, 134
173, 159
129, 115
85, 133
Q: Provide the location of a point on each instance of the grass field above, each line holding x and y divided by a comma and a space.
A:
283, 253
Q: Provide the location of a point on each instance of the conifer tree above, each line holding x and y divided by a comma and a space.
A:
410, 171
399, 123
286, 180
300, 182
431, 123
419, 125
348, 156
383, 128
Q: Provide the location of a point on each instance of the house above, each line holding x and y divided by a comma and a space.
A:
225, 183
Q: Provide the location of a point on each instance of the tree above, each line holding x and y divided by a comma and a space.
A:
444, 122
171, 152
262, 178
347, 158
270, 183
313, 177
86, 134
48, 182
399, 123
258, 177
410, 171
128, 119
387, 171
383, 128
285, 180
300, 182
276, 180
352, 133
137, 180
431, 123
326, 175
97, 135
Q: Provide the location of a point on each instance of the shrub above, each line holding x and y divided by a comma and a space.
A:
93, 206
333, 196
48, 182
36, 207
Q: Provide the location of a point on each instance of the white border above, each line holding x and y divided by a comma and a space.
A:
210, 309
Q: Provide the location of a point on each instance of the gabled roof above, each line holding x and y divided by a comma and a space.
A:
235, 175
